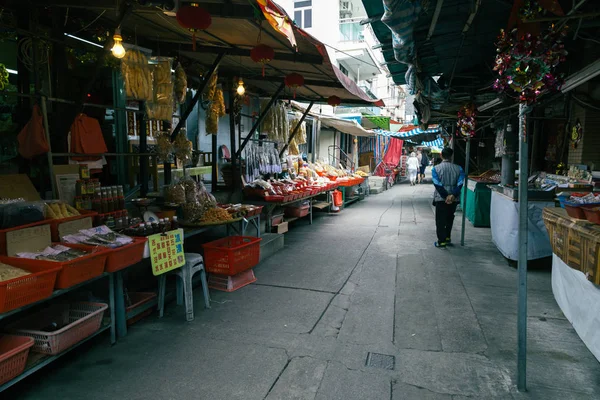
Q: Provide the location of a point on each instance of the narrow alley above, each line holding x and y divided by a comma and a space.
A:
358, 306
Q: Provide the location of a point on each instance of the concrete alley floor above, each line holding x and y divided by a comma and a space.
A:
367, 280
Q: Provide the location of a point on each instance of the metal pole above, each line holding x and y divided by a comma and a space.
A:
296, 129
215, 157
234, 169
49, 154
522, 265
465, 188
261, 117
143, 149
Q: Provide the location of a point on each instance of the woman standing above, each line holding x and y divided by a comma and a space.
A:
412, 165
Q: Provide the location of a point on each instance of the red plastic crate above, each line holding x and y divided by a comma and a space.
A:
71, 272
297, 212
138, 299
592, 214
3, 233
18, 292
13, 356
231, 255
575, 211
77, 320
125, 256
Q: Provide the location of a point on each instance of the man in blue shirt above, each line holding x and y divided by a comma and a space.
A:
448, 180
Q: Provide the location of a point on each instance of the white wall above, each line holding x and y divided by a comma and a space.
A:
325, 17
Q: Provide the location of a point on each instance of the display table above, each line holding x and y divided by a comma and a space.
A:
193, 171
504, 221
479, 200
579, 300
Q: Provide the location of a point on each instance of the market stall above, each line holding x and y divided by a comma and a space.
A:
576, 267
479, 198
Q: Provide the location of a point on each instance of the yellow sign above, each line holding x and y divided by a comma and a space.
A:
166, 251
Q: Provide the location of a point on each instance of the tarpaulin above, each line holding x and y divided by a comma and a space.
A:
278, 19
394, 152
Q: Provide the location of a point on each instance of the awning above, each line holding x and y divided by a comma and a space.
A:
415, 134
349, 126
237, 27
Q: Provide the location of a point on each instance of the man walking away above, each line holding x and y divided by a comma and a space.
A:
424, 164
448, 180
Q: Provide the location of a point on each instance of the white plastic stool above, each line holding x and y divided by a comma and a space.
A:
193, 263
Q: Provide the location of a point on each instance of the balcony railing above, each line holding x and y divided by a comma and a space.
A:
351, 31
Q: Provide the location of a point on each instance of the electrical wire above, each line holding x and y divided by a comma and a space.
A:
90, 24
583, 103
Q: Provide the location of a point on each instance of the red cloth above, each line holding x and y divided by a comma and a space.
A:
393, 153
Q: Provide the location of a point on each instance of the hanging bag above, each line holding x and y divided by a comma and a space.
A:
32, 138
86, 138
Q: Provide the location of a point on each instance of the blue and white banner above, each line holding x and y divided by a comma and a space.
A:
407, 134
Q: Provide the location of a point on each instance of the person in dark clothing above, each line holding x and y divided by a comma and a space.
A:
448, 180
424, 165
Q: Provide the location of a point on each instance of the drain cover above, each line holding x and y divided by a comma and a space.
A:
383, 361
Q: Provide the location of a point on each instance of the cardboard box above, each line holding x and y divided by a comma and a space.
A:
18, 186
281, 228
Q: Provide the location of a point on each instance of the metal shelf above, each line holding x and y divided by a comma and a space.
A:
38, 362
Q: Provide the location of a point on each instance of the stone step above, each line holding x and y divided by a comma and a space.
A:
270, 244
376, 190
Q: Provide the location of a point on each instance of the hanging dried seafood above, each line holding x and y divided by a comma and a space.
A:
137, 75
162, 104
182, 147
164, 147
180, 84
216, 108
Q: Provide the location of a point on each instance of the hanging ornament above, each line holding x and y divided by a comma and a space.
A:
526, 63
334, 101
466, 120
262, 54
194, 18
576, 134
294, 81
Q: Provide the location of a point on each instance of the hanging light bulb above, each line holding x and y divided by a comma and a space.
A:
118, 50
240, 89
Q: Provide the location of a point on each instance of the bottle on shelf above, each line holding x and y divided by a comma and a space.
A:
174, 223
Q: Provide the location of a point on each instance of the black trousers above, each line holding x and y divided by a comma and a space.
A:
444, 218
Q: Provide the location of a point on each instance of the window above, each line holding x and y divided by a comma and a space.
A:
303, 13
344, 70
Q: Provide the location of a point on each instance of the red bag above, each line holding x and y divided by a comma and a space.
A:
32, 138
86, 138
337, 198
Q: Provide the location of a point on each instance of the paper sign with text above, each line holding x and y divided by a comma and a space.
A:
166, 251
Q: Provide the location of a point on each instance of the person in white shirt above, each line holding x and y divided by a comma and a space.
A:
412, 166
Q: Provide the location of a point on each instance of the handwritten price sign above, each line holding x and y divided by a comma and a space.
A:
166, 251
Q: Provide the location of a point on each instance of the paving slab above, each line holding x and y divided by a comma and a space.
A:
300, 380
341, 383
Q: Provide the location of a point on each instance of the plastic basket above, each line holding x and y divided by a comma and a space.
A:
13, 356
78, 321
592, 214
297, 212
574, 211
72, 272
125, 256
3, 233
226, 283
19, 292
231, 255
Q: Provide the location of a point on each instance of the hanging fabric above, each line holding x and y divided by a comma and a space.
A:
32, 138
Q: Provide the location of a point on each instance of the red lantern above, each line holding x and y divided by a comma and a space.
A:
334, 101
294, 80
194, 18
262, 54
